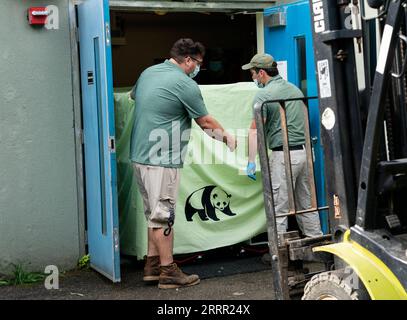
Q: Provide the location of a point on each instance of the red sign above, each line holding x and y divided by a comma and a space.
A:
38, 15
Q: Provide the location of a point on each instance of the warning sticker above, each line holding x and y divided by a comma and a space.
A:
324, 79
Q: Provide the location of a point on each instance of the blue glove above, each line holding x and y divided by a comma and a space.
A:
251, 170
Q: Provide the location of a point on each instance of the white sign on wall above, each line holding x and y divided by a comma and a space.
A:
283, 69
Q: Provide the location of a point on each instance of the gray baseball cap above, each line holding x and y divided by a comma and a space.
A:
261, 61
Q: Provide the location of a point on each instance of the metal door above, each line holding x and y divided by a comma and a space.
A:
99, 142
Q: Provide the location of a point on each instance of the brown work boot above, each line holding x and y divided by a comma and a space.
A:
172, 277
152, 269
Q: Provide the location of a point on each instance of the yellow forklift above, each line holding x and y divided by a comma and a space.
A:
364, 135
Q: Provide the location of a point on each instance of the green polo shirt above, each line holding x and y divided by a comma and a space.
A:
166, 100
278, 88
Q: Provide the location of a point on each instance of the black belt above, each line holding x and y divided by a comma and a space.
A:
299, 147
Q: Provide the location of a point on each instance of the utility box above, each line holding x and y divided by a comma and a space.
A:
278, 19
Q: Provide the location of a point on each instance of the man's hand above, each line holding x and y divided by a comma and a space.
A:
213, 129
251, 170
231, 142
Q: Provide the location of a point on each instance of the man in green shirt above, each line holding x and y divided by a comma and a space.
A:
265, 74
166, 99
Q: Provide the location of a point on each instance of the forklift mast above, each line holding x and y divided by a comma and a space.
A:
364, 129
340, 107
364, 138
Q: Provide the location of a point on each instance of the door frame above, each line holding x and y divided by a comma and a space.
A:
78, 128
77, 108
206, 6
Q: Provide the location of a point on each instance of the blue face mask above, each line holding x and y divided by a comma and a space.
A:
194, 73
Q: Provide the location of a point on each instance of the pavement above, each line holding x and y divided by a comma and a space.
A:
89, 285
232, 278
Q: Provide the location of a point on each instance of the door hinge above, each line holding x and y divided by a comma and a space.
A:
81, 137
86, 237
112, 144
77, 35
116, 239
108, 36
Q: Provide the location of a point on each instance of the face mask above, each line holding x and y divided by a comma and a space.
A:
194, 73
258, 84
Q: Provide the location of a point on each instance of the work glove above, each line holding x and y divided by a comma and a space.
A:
251, 170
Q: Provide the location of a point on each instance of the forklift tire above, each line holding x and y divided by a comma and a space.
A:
333, 285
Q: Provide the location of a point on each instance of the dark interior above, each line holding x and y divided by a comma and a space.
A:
142, 39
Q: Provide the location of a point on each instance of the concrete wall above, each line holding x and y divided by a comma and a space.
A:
38, 186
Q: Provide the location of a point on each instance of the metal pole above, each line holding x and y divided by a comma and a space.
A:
277, 281
310, 162
287, 159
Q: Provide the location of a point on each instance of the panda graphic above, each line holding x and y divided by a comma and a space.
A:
206, 201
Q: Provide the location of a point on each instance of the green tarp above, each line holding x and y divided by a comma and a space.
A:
209, 164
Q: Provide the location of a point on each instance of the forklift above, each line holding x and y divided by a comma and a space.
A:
364, 136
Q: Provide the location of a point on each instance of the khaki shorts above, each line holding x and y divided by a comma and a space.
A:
159, 189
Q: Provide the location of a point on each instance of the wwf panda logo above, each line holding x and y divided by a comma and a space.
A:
206, 202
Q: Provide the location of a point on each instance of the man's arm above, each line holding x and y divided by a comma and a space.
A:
213, 128
252, 150
252, 142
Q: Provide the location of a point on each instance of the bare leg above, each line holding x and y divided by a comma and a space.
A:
152, 247
164, 244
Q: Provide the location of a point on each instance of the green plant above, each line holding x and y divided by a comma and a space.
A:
20, 276
4, 283
84, 262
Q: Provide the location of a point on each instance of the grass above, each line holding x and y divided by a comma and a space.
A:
20, 276
4, 283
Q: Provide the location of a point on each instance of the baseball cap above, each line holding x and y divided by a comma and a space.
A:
261, 61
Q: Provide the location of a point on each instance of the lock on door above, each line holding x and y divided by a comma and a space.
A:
91, 78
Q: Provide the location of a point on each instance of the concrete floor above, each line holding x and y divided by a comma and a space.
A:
89, 285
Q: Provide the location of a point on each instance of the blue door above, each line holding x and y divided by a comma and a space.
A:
99, 143
290, 41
